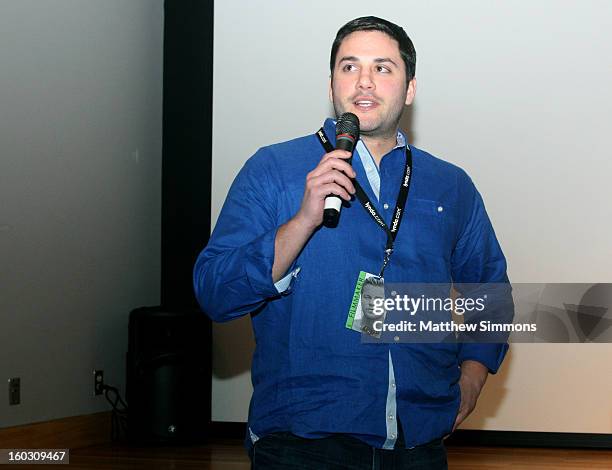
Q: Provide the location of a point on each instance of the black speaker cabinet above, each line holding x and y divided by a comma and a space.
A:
168, 385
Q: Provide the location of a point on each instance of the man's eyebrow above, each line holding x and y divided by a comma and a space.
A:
378, 60
350, 58
385, 59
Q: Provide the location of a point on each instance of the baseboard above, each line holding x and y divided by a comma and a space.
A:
468, 437
65, 433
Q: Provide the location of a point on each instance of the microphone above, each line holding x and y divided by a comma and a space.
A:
347, 135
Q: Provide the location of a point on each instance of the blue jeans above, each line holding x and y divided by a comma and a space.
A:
287, 451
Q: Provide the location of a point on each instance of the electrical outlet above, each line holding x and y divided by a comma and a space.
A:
98, 381
14, 385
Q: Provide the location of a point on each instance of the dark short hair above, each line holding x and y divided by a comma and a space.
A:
372, 281
372, 23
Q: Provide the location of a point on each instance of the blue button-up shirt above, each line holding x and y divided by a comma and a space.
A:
311, 375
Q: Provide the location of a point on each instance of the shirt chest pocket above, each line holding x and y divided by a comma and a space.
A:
430, 227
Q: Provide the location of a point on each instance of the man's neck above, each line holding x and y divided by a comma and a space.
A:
379, 146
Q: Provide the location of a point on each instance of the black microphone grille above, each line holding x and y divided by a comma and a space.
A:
348, 123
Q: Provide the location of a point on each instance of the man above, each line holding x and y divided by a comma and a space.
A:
371, 290
322, 397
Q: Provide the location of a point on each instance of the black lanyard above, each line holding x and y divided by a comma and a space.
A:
402, 197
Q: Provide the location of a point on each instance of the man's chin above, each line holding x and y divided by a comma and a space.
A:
368, 126
369, 122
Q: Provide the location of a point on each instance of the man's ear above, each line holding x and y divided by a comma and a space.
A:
411, 91
329, 90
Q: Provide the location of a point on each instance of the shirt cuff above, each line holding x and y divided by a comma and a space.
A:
283, 284
490, 355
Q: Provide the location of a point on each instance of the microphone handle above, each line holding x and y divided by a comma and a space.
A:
331, 213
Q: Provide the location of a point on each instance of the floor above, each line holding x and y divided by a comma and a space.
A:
229, 454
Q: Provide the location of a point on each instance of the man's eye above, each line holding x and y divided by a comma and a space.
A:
349, 68
382, 68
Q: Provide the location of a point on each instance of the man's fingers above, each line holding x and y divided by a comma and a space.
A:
332, 164
344, 154
333, 176
459, 419
333, 188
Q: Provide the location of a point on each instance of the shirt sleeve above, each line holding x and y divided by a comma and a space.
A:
478, 259
233, 274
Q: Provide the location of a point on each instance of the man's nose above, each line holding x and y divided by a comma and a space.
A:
365, 80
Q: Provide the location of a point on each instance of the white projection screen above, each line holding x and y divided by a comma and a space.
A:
518, 94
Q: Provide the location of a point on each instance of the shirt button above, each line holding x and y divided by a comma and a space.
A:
385, 205
392, 384
396, 338
440, 208
391, 417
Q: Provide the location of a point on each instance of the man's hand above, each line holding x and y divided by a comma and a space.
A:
331, 176
473, 377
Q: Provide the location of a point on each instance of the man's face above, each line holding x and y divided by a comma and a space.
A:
369, 80
369, 293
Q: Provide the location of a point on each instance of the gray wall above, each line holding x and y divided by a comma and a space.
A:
80, 195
